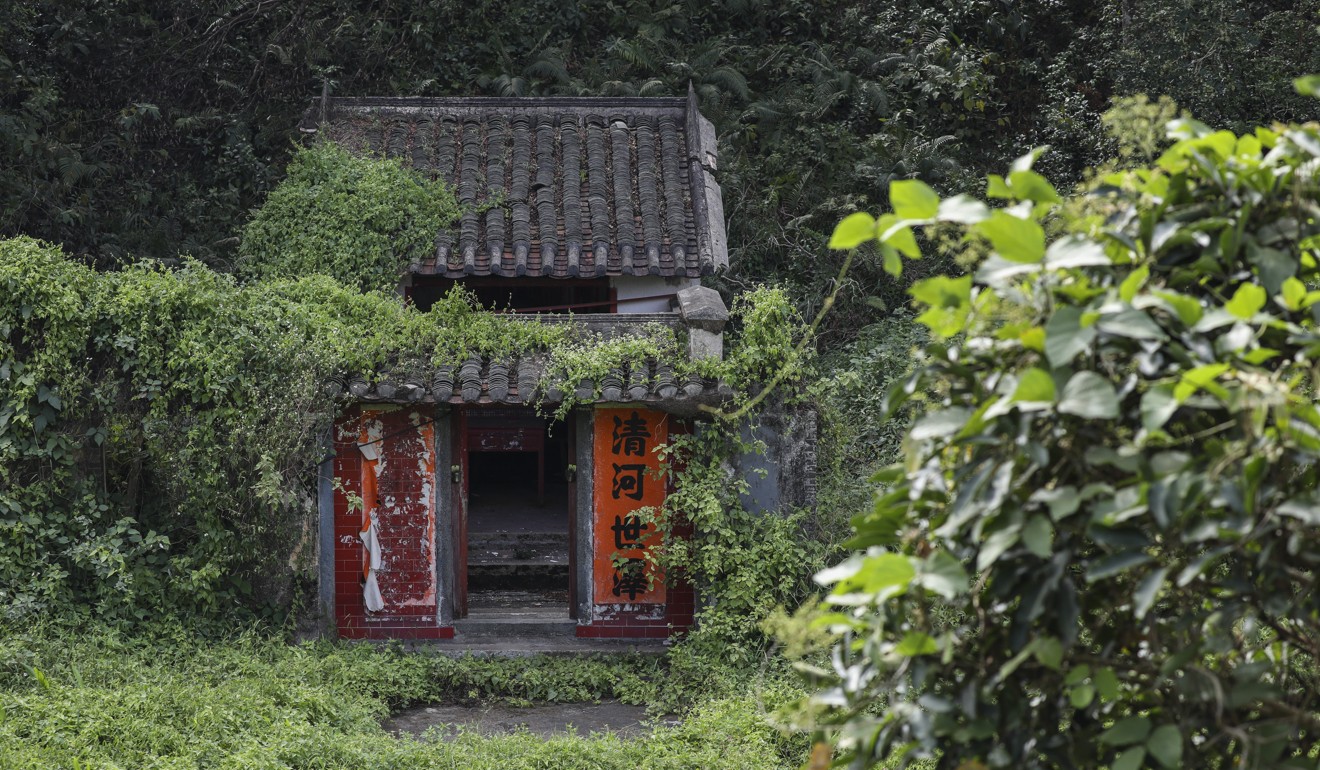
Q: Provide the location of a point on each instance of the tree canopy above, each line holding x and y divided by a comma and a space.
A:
139, 129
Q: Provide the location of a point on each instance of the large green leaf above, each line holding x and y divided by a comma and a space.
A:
1130, 323
1292, 294
997, 272
853, 231
1089, 395
1017, 240
1035, 386
1049, 651
1106, 684
963, 209
949, 302
1038, 536
1062, 501
1081, 696
941, 424
1075, 251
1187, 308
1026, 161
891, 231
916, 643
1130, 759
884, 574
1065, 336
841, 571
1126, 732
1147, 591
1166, 745
891, 261
1109, 566
1200, 378
1157, 406
1307, 85
913, 199
1247, 301
942, 574
996, 545
1028, 185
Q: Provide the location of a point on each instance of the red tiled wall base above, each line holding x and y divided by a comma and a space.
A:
611, 630
678, 612
391, 631
681, 608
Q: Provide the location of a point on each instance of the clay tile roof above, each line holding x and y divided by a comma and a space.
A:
553, 187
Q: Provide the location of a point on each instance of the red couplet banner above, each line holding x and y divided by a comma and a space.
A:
627, 480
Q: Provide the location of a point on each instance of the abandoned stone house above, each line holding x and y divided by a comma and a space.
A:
451, 506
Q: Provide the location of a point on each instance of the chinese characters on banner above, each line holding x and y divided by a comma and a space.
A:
626, 480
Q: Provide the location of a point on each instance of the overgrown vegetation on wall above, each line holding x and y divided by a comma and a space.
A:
160, 428
1098, 547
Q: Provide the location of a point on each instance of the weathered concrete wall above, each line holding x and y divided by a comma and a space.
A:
647, 293
784, 476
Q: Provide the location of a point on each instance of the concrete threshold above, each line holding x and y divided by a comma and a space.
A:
513, 645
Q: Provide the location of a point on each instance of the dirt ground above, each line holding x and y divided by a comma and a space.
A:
544, 720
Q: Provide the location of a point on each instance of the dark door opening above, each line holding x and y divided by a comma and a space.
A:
519, 540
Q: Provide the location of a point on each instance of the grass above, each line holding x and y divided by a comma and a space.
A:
99, 699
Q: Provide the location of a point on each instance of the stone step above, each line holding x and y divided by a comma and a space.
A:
520, 555
524, 577
542, 596
521, 549
497, 564
498, 538
533, 645
550, 620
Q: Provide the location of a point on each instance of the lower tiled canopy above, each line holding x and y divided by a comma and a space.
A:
520, 381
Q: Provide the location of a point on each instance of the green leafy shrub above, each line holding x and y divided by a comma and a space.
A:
858, 437
1100, 547
159, 429
361, 220
95, 698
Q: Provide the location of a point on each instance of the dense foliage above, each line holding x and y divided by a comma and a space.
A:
1116, 439
1100, 546
141, 129
99, 699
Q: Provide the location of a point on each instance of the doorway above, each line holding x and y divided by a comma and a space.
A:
517, 543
